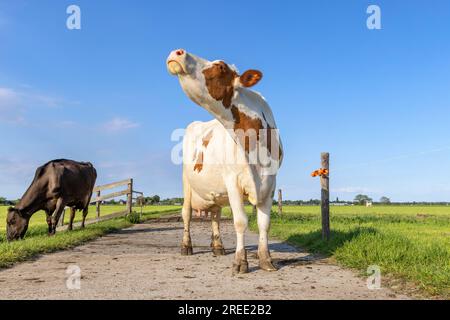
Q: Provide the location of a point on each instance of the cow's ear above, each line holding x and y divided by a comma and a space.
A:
250, 77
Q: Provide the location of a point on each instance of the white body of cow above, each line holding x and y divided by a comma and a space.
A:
231, 159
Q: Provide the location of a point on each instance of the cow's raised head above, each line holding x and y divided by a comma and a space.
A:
209, 83
16, 224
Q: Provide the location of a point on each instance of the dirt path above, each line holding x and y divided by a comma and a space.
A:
144, 262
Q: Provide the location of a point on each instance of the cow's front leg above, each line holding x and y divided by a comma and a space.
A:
57, 214
216, 241
49, 223
265, 261
240, 264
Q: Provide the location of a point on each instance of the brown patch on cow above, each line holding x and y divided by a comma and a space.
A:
199, 163
244, 122
220, 82
269, 143
269, 138
250, 77
206, 139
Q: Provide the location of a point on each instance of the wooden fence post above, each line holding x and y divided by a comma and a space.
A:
280, 202
325, 186
140, 203
130, 197
98, 204
102, 196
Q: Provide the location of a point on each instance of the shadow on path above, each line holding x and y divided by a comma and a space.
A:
146, 230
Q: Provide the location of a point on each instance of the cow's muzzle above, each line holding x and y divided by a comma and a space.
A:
176, 62
174, 67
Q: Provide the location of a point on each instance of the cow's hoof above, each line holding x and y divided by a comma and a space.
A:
218, 251
241, 267
186, 251
267, 265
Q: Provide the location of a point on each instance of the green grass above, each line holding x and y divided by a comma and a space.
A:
38, 219
408, 242
36, 240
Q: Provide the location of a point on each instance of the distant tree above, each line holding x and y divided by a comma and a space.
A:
385, 200
152, 200
362, 199
2, 201
148, 200
156, 199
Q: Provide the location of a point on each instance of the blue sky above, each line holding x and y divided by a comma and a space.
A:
377, 100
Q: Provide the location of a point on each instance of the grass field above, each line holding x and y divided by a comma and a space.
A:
39, 219
409, 243
36, 240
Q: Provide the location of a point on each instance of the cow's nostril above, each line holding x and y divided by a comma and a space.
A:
180, 52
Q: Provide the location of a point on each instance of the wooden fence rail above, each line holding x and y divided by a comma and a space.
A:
98, 198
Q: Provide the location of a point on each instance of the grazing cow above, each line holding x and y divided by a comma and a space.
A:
231, 159
57, 184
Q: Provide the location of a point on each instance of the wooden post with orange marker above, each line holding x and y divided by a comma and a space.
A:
324, 174
325, 186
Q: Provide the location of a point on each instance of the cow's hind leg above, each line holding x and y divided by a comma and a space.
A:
57, 214
240, 264
85, 212
72, 217
186, 212
216, 241
265, 261
186, 245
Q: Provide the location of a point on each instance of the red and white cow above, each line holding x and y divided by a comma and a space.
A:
231, 159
